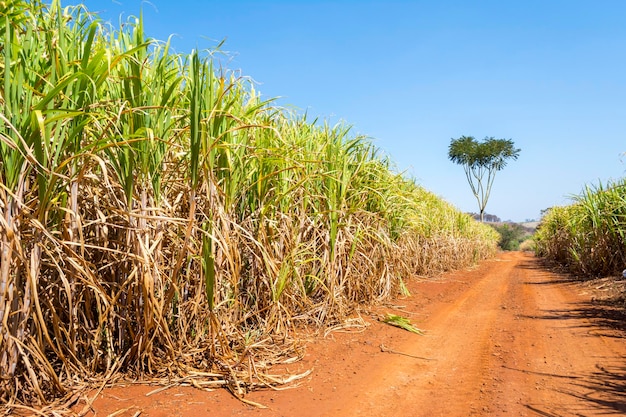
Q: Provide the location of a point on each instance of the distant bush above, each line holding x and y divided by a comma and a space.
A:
511, 235
528, 245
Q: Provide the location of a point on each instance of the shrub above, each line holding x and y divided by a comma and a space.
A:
511, 235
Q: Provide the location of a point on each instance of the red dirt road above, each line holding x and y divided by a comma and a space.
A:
508, 338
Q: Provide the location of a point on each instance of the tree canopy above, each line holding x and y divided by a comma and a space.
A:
479, 159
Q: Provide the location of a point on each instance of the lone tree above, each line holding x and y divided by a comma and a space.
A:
480, 158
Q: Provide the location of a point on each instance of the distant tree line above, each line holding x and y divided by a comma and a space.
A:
490, 218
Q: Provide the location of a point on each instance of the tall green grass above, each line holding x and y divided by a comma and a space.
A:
589, 236
159, 218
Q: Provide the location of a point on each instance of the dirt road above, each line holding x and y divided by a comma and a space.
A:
508, 338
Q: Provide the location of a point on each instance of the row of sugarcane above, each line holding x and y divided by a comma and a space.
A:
158, 218
588, 237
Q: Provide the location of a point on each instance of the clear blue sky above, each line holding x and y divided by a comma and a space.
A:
550, 75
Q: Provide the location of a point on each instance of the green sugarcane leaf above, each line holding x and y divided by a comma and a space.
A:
401, 322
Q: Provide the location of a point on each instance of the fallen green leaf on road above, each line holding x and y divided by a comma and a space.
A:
401, 322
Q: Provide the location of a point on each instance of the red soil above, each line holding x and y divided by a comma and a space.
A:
508, 338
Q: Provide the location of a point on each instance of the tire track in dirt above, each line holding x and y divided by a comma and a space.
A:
575, 359
520, 342
508, 338
458, 340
